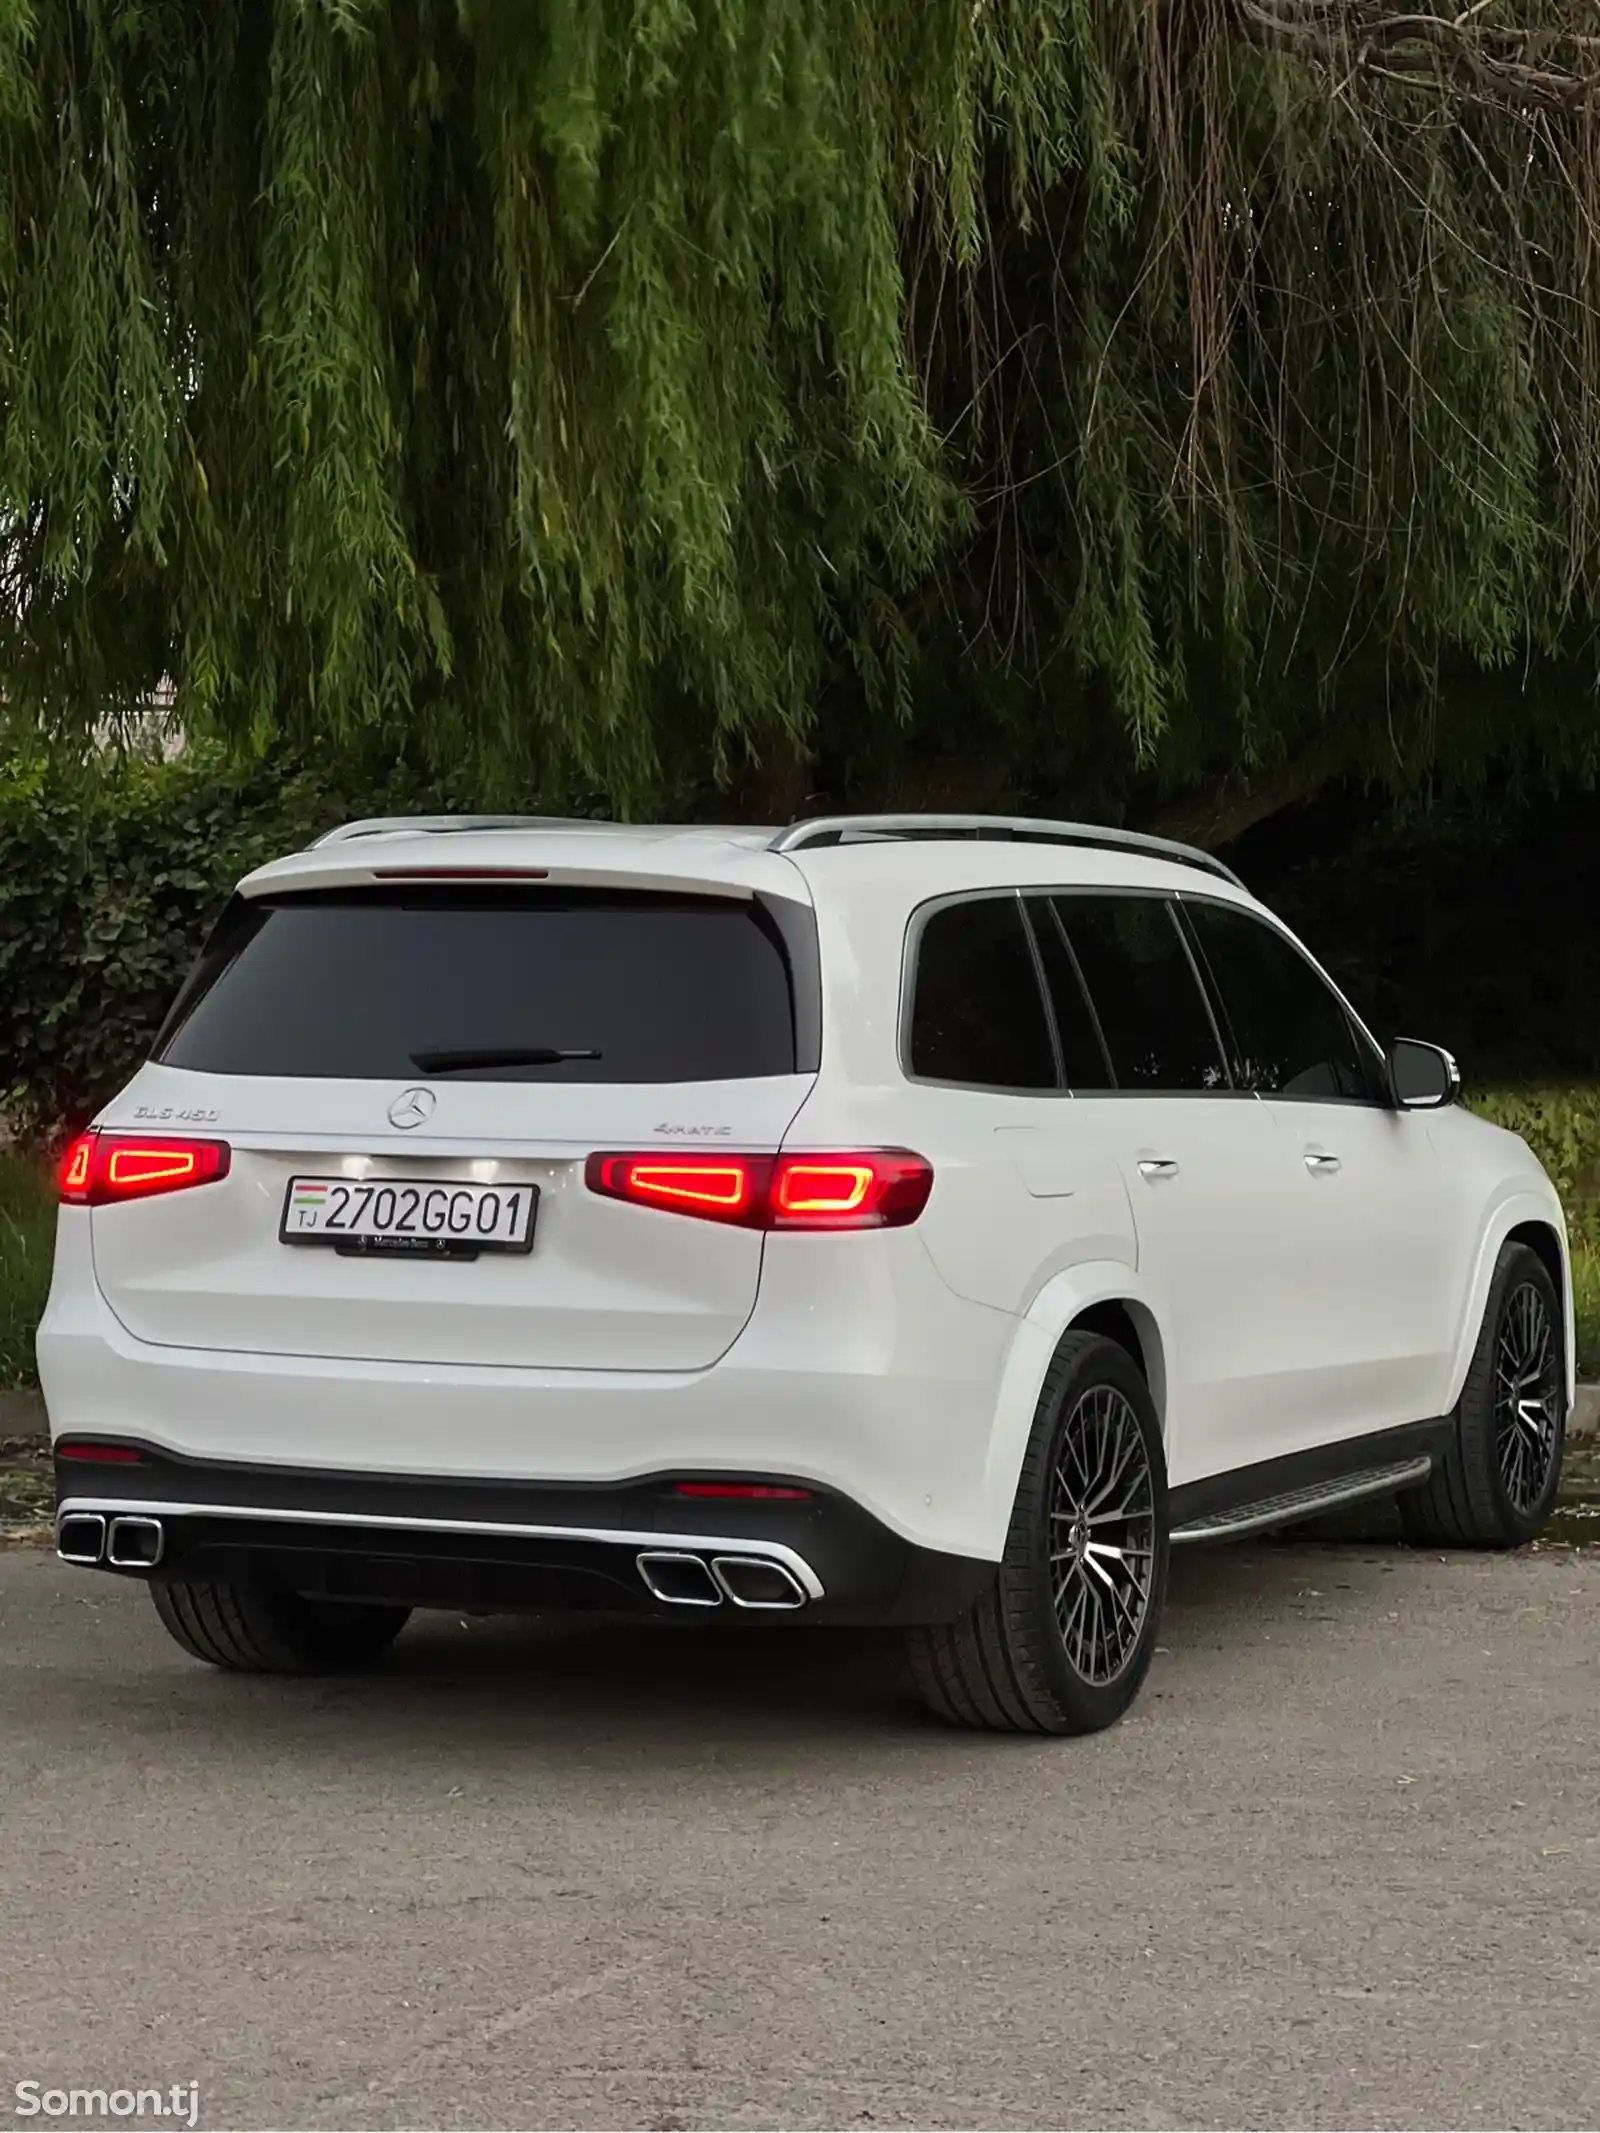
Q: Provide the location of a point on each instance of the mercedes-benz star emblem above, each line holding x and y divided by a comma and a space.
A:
412, 1107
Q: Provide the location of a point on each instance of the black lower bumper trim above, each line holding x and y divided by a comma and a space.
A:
491, 1546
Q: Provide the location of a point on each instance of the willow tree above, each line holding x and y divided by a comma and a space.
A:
612, 389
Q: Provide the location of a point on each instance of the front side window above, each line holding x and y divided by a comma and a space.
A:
1286, 1031
977, 1014
1146, 996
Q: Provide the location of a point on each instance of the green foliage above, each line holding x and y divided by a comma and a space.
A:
27, 1243
623, 388
108, 882
1562, 1127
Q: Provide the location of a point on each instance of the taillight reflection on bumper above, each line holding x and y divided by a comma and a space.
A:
867, 1188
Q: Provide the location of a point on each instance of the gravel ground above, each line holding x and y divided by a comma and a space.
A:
1341, 1866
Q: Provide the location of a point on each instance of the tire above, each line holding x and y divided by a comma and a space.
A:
1497, 1482
250, 1629
1048, 1649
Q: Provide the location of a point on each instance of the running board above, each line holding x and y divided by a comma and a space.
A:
1296, 1504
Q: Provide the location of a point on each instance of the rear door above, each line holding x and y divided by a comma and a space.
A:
1026, 1184
423, 1035
1199, 1156
1368, 1325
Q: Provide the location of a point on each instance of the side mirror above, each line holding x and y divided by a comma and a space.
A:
1422, 1077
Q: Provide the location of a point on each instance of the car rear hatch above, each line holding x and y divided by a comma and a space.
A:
365, 1035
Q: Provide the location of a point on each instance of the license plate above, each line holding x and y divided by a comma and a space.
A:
436, 1218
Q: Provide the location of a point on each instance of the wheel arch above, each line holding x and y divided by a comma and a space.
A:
1103, 1297
1132, 1325
1521, 1218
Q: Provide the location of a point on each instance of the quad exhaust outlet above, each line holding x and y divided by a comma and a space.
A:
81, 1538
755, 1582
127, 1542
135, 1543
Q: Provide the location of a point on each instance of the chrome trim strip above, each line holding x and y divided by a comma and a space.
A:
702, 1544
1256, 1518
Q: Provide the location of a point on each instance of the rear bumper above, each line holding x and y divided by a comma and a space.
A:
494, 1546
880, 1391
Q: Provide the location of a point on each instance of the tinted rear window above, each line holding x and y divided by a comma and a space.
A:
363, 986
1153, 1015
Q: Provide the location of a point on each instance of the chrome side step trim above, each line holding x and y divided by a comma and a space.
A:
704, 1544
1296, 1504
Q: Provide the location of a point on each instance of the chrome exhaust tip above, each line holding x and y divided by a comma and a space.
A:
755, 1581
81, 1538
678, 1579
135, 1543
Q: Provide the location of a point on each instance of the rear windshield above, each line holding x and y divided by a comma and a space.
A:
384, 986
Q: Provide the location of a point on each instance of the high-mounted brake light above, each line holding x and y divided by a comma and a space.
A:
870, 1188
461, 873
100, 1168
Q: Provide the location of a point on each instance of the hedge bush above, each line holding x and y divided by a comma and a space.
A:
1562, 1127
109, 879
106, 885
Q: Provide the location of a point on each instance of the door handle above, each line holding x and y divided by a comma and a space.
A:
1320, 1164
1157, 1166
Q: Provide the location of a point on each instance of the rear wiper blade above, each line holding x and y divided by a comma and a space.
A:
507, 1055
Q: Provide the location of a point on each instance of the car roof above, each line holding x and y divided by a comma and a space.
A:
910, 857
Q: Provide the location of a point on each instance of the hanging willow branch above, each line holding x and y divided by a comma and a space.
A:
610, 388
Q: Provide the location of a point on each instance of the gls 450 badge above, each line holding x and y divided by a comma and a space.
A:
168, 1114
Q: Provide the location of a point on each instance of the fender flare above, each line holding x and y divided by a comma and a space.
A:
1515, 1207
1038, 1334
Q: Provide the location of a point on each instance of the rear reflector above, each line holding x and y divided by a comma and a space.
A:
744, 1491
101, 1454
99, 1168
870, 1188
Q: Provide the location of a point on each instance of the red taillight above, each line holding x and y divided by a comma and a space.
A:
869, 1188
101, 1454
102, 1167
721, 1188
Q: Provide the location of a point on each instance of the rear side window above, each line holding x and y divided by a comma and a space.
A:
386, 986
1083, 1057
1287, 1032
977, 1013
1147, 998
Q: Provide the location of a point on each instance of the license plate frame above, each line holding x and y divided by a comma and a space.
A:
372, 1238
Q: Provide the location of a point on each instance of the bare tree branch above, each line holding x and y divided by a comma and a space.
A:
1548, 64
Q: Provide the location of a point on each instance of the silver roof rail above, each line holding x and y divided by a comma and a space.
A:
1019, 829
437, 825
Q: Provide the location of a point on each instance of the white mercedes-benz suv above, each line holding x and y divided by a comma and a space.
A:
919, 1220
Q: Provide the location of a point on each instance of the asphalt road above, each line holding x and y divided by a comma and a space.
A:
1341, 1867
